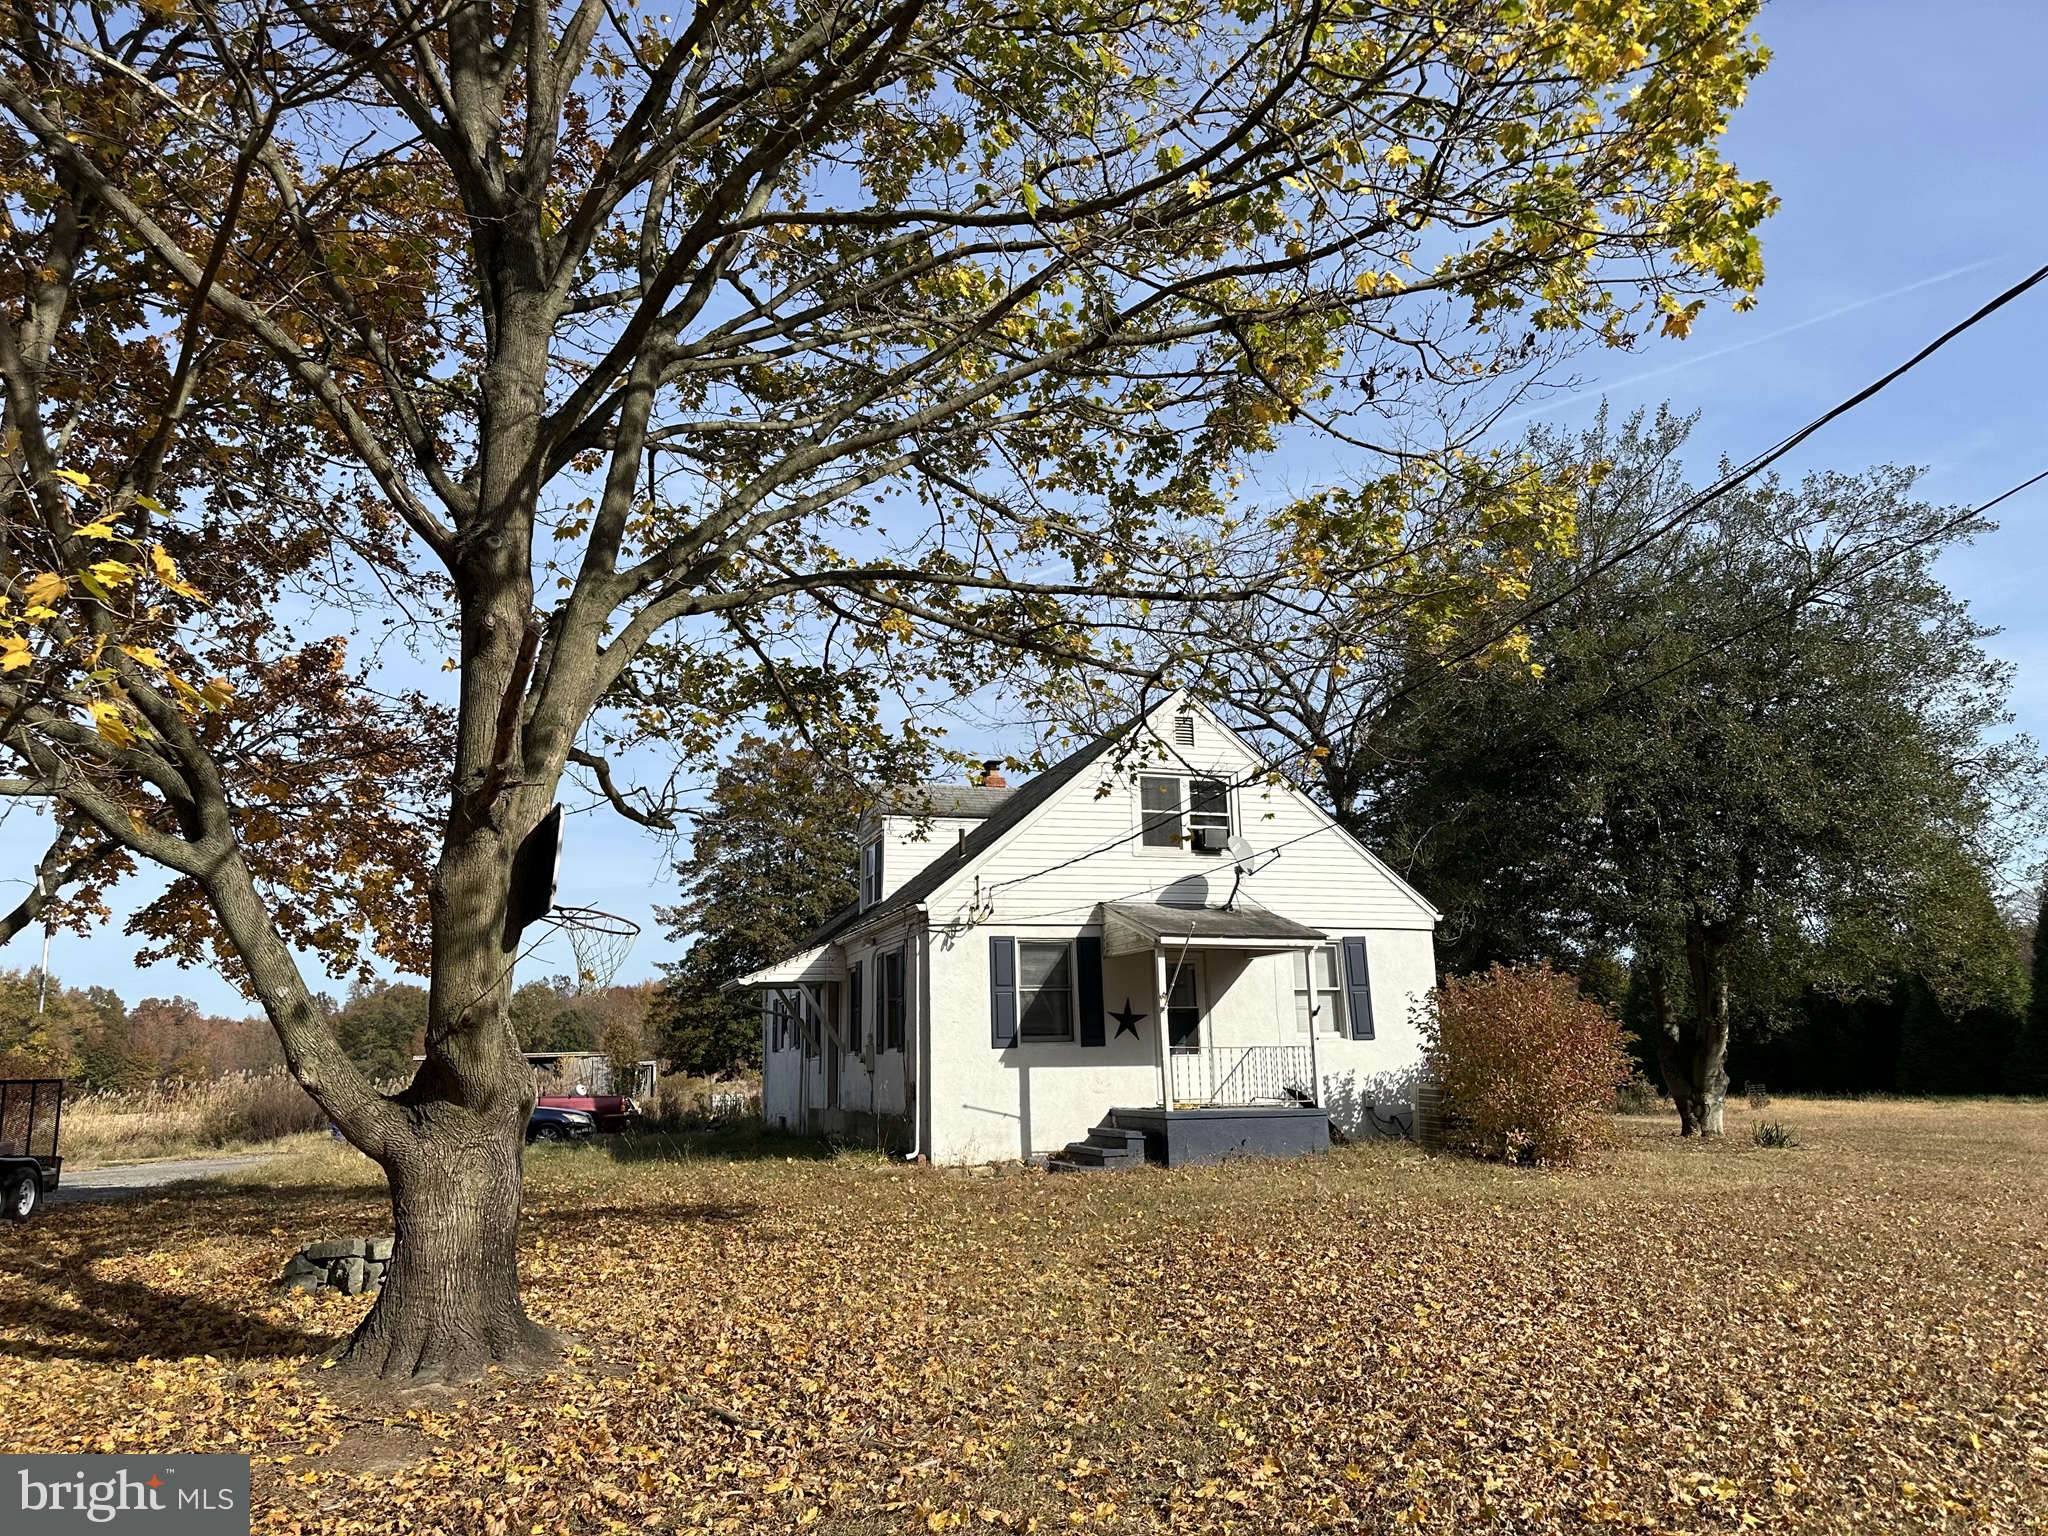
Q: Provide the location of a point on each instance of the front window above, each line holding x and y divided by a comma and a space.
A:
1045, 992
870, 872
1318, 992
1189, 813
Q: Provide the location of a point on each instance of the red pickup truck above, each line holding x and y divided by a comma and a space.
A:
611, 1111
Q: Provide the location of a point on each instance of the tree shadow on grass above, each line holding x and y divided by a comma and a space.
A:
673, 1212
64, 1311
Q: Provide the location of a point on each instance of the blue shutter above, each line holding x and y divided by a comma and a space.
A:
1088, 979
1002, 993
892, 968
1357, 989
854, 980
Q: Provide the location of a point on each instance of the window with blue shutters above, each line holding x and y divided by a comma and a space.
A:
1358, 989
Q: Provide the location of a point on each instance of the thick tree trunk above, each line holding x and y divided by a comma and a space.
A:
1706, 953
1672, 1059
450, 1305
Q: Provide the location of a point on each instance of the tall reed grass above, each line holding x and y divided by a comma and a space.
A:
229, 1113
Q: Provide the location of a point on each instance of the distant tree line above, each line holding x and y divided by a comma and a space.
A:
90, 1037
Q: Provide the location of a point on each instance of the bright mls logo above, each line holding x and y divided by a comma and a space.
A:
150, 1495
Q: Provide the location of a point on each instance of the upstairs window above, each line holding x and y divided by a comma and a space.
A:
1186, 813
870, 873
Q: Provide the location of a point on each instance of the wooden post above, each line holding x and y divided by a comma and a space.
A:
1159, 1019
1315, 1066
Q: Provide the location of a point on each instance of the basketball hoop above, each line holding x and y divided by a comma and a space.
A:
601, 941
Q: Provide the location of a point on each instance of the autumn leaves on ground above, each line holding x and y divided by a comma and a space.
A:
1846, 1336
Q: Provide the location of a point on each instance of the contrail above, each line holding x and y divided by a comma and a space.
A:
1786, 330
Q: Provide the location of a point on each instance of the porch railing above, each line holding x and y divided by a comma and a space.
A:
1232, 1075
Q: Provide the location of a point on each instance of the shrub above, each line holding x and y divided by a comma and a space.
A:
1637, 1096
1773, 1133
1528, 1065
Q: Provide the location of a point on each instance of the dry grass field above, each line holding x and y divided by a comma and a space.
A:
1844, 1337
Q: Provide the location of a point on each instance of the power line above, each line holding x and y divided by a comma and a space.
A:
1811, 596
1736, 477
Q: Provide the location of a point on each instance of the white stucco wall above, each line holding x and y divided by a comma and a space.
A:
989, 1105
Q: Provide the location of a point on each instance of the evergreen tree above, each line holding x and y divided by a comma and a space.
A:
383, 1028
773, 858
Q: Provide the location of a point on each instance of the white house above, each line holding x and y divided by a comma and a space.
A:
998, 990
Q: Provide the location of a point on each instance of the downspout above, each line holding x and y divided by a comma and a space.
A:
921, 1017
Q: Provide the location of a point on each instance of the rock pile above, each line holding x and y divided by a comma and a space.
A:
351, 1265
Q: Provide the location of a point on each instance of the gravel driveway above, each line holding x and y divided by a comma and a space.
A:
124, 1180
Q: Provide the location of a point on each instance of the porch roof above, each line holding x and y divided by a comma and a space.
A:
1131, 926
825, 963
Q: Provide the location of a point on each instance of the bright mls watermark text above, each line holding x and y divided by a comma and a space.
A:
156, 1495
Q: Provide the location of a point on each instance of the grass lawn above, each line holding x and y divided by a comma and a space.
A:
1847, 1336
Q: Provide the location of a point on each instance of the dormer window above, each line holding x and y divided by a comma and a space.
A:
1192, 814
870, 873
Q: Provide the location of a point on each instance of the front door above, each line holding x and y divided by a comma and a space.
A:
1184, 1008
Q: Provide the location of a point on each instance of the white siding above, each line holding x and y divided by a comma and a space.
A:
1046, 882
1084, 848
909, 844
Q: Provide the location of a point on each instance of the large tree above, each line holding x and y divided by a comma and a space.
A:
1770, 732
636, 365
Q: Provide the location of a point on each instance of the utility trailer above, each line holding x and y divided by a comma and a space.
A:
31, 1112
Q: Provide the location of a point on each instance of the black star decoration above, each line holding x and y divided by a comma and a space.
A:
1127, 1021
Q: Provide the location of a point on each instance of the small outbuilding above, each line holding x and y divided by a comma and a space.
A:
1156, 947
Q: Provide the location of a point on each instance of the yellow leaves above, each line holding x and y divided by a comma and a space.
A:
106, 719
14, 653
167, 573
44, 591
72, 477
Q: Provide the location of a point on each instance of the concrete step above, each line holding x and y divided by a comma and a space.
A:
1116, 1138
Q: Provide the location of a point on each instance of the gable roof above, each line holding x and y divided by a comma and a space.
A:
1012, 809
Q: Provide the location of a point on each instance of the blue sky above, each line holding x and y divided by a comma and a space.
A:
1906, 144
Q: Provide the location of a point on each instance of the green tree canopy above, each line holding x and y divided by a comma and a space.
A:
1769, 733
771, 860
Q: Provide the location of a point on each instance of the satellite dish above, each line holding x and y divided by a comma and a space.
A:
1240, 849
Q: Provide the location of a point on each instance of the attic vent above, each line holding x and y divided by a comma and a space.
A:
1184, 730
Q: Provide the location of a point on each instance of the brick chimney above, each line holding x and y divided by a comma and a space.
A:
992, 774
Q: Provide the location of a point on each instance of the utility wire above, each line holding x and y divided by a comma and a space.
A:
1809, 597
1736, 477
